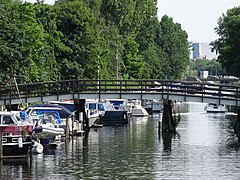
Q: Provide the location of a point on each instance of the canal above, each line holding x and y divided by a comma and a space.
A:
204, 147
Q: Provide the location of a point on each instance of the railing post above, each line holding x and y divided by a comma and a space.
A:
162, 87
219, 95
167, 90
120, 88
42, 87
10, 97
78, 90
236, 96
73, 88
99, 89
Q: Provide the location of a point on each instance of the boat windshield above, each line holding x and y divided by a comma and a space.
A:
101, 107
6, 119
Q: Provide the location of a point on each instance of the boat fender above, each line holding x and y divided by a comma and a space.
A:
20, 142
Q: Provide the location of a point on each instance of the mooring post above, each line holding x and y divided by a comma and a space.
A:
167, 120
237, 125
80, 108
67, 129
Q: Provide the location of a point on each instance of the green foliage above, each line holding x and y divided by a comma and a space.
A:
83, 37
75, 39
173, 41
152, 68
227, 45
132, 60
212, 66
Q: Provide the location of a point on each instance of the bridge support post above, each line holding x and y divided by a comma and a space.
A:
80, 108
168, 123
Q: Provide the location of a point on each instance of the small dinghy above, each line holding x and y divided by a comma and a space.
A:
37, 148
215, 108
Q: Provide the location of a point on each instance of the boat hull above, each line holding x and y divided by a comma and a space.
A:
214, 108
13, 148
139, 112
112, 118
47, 132
209, 111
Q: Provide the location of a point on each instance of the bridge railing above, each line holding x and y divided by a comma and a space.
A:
43, 89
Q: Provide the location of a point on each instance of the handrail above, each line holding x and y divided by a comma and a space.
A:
42, 89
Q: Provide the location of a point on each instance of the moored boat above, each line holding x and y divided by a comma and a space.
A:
118, 114
215, 108
91, 109
136, 108
16, 140
46, 129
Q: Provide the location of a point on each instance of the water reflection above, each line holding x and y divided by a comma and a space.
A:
167, 139
15, 168
203, 147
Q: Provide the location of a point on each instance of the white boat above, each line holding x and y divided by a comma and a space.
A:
136, 108
111, 112
100, 106
119, 104
46, 129
154, 105
215, 108
91, 109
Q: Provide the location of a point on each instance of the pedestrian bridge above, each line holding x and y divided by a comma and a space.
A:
117, 89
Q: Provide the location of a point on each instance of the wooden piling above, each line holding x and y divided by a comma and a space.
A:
80, 108
67, 129
237, 125
167, 120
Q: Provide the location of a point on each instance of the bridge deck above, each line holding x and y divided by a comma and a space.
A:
129, 89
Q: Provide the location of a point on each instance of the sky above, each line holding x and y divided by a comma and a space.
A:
197, 17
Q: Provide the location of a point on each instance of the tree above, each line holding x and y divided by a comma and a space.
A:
175, 46
212, 66
24, 46
132, 59
81, 34
227, 45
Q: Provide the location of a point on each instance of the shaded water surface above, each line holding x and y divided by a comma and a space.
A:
204, 147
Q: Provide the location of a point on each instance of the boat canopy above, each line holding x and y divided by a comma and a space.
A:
44, 113
63, 111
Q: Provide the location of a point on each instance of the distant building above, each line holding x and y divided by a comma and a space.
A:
203, 51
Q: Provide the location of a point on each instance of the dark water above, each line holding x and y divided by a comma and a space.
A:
204, 147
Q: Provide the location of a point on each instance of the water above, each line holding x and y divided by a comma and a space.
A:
204, 147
